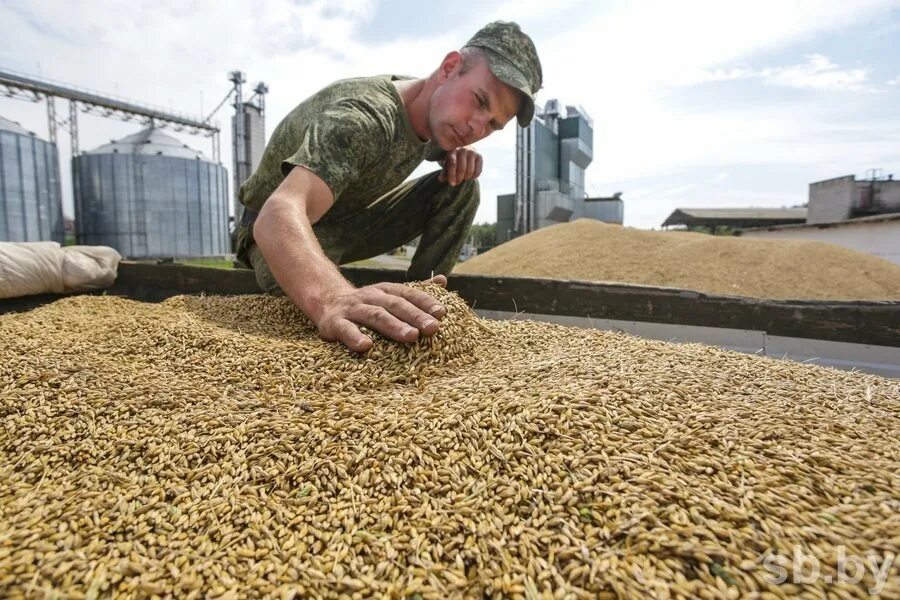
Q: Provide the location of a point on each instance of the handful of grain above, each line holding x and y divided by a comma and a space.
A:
216, 447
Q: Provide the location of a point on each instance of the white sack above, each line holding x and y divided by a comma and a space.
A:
88, 268
28, 268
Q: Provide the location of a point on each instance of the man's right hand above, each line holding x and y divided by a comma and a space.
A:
283, 232
394, 310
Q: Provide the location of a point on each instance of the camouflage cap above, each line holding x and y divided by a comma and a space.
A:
513, 59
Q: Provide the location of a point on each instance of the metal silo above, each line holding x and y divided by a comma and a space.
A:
150, 196
30, 199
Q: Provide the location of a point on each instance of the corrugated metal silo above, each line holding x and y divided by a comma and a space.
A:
149, 196
506, 218
30, 199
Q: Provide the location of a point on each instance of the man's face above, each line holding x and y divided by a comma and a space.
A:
467, 107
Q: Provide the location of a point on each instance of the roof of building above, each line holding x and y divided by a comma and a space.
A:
895, 216
149, 141
736, 217
830, 179
12, 126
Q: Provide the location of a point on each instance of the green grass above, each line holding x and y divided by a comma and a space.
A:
215, 263
368, 263
375, 263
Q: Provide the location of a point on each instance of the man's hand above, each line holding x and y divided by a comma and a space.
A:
394, 310
461, 164
284, 234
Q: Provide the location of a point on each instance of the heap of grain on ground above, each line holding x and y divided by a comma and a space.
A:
593, 251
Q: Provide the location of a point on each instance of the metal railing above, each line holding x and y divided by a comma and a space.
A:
42, 87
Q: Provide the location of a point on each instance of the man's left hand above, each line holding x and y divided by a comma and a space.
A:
459, 165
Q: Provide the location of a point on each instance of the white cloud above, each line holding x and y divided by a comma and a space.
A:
624, 67
723, 74
525, 10
894, 81
620, 61
817, 73
643, 45
174, 54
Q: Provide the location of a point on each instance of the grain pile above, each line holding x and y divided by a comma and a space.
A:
215, 447
589, 250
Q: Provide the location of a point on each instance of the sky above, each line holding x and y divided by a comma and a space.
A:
695, 104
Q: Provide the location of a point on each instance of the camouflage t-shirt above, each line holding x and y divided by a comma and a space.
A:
355, 134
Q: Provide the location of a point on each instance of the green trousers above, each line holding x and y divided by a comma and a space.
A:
442, 214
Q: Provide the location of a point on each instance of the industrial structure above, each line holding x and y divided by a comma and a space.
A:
248, 127
34, 89
116, 179
551, 156
30, 198
844, 198
607, 209
150, 196
860, 214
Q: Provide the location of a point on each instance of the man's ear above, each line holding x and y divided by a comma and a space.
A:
450, 65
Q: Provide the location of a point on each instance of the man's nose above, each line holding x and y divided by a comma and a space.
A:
479, 124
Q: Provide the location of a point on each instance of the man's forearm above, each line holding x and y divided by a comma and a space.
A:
285, 237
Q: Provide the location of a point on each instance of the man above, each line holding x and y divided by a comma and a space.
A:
330, 186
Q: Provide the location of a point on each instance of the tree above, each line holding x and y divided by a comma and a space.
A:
483, 234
